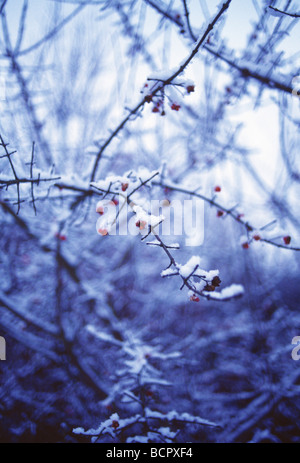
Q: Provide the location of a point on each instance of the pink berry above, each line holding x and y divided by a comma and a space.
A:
100, 210
102, 231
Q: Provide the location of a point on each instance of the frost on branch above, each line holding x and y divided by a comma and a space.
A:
138, 380
129, 182
201, 282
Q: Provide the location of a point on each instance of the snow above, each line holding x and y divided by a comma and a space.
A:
192, 268
175, 416
138, 439
166, 432
103, 336
187, 269
169, 272
231, 291
149, 219
134, 179
107, 425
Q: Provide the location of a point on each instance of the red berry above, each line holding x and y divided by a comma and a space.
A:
100, 210
102, 231
124, 186
175, 107
217, 189
115, 202
220, 213
60, 237
256, 237
245, 245
155, 109
148, 98
190, 88
141, 224
287, 239
194, 298
115, 424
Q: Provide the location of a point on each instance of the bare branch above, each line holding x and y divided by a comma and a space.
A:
292, 15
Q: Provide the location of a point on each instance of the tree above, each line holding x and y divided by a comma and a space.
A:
122, 115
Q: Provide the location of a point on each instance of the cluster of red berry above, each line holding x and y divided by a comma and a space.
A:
159, 103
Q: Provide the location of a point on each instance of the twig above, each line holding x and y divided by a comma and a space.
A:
292, 15
31, 175
237, 217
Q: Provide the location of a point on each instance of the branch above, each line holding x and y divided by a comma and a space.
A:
28, 318
7, 154
235, 216
246, 72
2, 6
28, 180
292, 15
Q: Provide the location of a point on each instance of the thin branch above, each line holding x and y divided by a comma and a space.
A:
248, 73
187, 14
31, 175
2, 6
21, 26
28, 180
231, 212
292, 15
